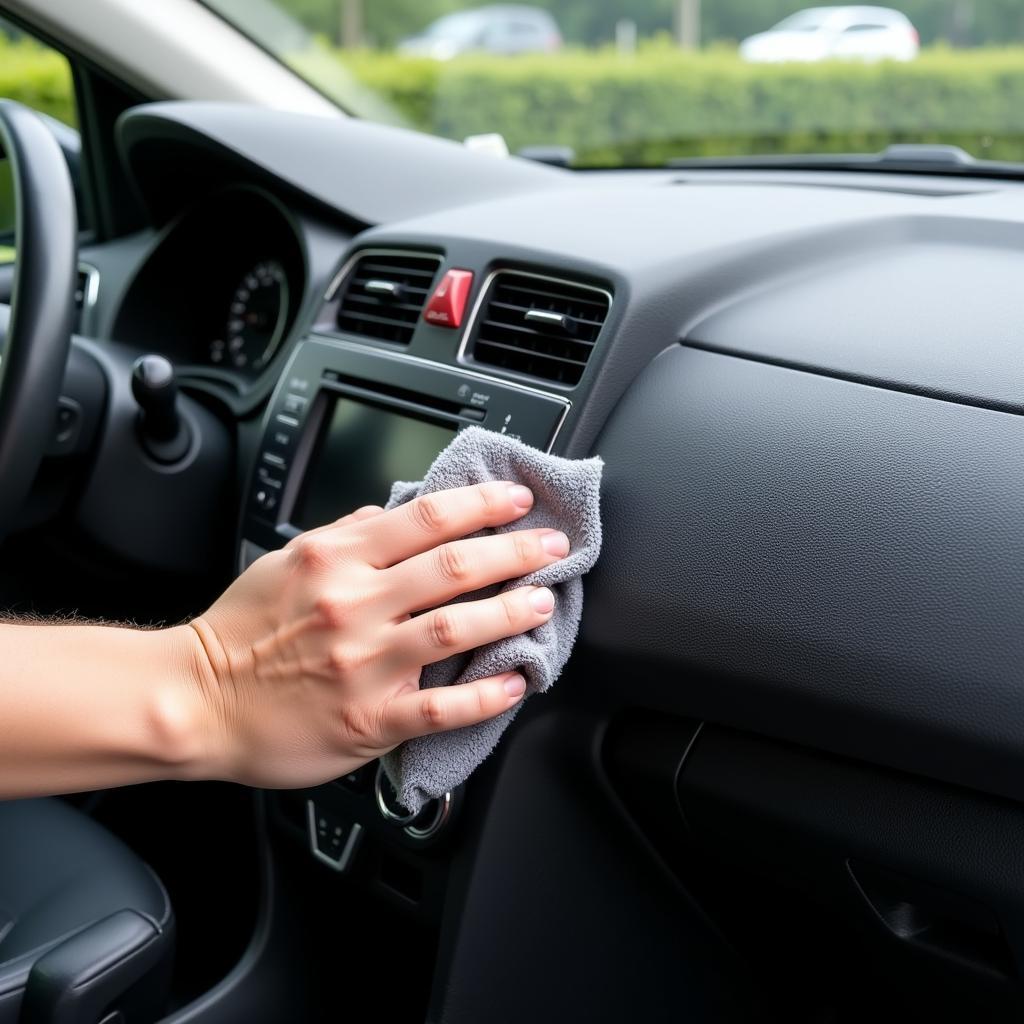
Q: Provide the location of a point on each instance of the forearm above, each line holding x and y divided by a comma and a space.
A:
86, 707
306, 667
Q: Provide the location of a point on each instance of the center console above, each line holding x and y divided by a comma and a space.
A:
345, 421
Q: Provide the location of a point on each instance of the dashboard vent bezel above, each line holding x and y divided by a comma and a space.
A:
563, 357
87, 283
384, 325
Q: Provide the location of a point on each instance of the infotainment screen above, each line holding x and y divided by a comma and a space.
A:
362, 449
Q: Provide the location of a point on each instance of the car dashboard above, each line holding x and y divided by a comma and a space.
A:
807, 391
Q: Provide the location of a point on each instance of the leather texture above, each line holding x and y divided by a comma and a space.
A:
818, 560
60, 873
42, 304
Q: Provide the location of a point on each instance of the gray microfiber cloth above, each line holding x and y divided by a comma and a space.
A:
566, 497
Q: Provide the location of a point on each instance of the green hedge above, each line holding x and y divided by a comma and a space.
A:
38, 77
660, 103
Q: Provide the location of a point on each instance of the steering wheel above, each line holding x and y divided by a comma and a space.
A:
38, 335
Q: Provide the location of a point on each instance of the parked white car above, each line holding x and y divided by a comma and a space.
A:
831, 33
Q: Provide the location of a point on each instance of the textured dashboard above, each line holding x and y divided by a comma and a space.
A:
832, 563
814, 503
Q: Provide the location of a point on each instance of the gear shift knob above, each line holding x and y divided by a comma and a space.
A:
163, 432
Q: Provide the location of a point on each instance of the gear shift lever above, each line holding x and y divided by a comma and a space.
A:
163, 432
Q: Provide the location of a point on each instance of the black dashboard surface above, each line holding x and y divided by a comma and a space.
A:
806, 396
831, 563
345, 164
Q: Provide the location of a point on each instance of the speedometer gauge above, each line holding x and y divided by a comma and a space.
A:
257, 315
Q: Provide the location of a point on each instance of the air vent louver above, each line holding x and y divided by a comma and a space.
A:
384, 293
86, 282
538, 326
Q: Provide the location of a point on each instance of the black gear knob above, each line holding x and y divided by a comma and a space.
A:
163, 432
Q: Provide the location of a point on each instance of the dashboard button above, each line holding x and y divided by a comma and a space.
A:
265, 499
265, 478
277, 461
448, 303
332, 839
287, 421
295, 403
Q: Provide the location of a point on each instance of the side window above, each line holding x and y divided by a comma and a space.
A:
39, 77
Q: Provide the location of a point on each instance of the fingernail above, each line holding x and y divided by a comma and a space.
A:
515, 686
542, 600
555, 543
522, 497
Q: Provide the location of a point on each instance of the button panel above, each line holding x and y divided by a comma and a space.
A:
279, 443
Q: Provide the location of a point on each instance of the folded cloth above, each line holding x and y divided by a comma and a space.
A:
566, 497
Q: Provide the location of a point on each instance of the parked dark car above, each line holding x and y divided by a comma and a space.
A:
501, 29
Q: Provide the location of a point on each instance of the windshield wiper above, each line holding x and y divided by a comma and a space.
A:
901, 158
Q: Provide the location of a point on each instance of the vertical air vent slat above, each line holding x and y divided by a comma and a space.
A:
538, 327
383, 295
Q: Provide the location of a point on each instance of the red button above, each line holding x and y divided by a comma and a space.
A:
448, 302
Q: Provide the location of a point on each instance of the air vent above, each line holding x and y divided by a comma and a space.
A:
384, 293
86, 283
539, 326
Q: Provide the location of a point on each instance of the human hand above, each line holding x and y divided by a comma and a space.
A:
308, 666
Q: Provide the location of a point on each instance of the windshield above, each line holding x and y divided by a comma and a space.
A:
640, 82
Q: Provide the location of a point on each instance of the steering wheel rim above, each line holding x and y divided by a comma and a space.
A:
38, 337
